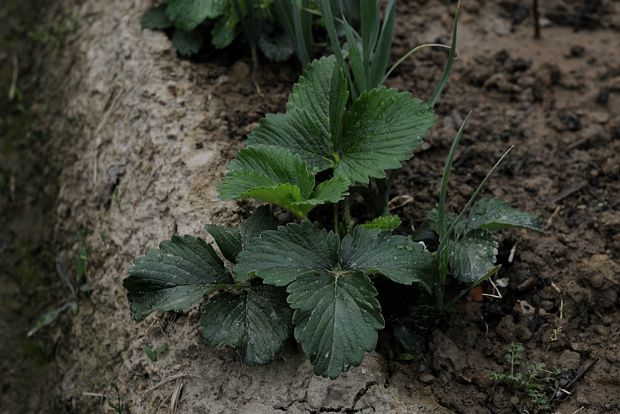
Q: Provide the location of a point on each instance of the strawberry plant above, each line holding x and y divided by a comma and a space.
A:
189, 21
324, 281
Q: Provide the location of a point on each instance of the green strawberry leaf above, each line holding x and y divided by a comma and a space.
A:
336, 319
332, 190
381, 129
278, 257
262, 219
228, 240
188, 14
493, 214
187, 43
379, 252
225, 30
322, 93
277, 176
174, 277
276, 48
255, 321
473, 256
231, 240
156, 18
297, 132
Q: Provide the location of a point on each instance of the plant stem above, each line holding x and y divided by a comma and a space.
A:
536, 18
347, 215
336, 224
254, 52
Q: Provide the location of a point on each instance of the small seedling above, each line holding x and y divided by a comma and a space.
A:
529, 377
118, 403
154, 354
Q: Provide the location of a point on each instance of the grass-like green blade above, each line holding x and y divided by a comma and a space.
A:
443, 240
381, 55
451, 55
328, 18
300, 31
443, 249
357, 66
370, 11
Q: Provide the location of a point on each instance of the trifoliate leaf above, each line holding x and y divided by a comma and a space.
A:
336, 319
156, 18
228, 240
279, 257
231, 240
255, 321
277, 176
383, 223
492, 214
187, 43
276, 48
379, 252
381, 129
188, 14
473, 256
225, 30
174, 277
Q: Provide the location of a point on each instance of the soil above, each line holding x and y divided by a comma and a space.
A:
142, 138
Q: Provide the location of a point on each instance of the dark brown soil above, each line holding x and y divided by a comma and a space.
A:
557, 101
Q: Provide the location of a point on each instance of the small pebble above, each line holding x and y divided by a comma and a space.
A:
427, 378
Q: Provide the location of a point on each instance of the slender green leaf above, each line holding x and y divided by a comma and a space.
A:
355, 57
370, 11
255, 321
336, 319
328, 19
451, 56
381, 56
174, 277
50, 317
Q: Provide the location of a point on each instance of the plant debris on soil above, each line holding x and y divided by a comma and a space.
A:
143, 138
